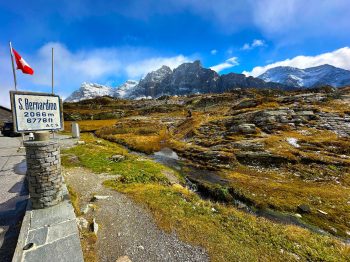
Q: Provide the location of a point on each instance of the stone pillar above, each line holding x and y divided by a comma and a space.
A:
75, 130
44, 173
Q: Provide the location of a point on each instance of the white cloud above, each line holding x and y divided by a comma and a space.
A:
246, 46
99, 65
255, 43
141, 68
258, 42
214, 52
339, 58
287, 20
296, 19
231, 62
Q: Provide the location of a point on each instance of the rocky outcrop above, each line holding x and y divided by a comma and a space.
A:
335, 122
274, 119
246, 103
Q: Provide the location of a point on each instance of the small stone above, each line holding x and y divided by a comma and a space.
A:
334, 230
123, 259
141, 247
304, 209
86, 209
82, 223
245, 129
117, 158
241, 205
94, 226
97, 197
298, 215
322, 212
73, 159
80, 142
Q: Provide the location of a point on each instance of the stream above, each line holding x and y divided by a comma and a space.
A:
168, 157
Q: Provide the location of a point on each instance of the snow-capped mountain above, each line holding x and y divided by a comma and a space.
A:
125, 90
88, 91
91, 90
308, 77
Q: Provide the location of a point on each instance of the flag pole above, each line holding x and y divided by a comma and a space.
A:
53, 132
52, 70
13, 67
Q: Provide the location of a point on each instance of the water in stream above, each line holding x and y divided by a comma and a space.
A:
168, 157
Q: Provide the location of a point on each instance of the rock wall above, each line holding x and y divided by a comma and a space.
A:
44, 173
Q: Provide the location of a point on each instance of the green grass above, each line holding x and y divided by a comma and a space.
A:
225, 232
75, 200
97, 158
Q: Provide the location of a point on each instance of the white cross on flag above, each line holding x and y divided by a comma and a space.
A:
22, 64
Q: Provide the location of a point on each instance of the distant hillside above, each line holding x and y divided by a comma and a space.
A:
309, 77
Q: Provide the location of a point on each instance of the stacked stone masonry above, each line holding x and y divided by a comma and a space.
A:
44, 173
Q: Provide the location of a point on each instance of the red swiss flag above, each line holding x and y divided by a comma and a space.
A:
22, 64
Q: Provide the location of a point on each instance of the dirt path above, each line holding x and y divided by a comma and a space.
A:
126, 228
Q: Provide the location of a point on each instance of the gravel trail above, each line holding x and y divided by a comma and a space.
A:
127, 229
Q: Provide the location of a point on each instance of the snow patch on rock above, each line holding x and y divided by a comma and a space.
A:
293, 141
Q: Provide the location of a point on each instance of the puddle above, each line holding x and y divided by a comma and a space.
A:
168, 157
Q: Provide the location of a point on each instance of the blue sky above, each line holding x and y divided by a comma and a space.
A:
109, 42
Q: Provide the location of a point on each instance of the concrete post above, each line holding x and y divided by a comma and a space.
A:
44, 173
75, 130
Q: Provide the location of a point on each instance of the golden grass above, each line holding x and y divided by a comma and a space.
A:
229, 234
143, 143
89, 125
335, 106
279, 145
283, 192
74, 199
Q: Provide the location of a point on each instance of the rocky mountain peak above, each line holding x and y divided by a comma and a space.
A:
125, 89
157, 75
88, 91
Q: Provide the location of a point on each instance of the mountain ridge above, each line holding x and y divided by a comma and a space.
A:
309, 77
192, 77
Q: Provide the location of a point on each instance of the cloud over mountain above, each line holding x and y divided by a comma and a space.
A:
339, 58
231, 62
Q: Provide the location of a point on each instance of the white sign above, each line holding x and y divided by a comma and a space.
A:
36, 111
